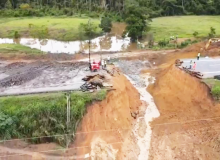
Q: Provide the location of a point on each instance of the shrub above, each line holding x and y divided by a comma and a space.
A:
6, 127
185, 43
87, 29
195, 34
212, 32
163, 43
106, 24
216, 92
93, 14
16, 35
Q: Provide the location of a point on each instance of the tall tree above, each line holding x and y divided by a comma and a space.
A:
136, 21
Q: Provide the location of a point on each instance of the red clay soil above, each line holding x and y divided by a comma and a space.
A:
188, 127
111, 119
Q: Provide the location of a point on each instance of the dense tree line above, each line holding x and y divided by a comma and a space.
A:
153, 8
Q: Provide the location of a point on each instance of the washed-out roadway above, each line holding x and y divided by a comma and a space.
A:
209, 67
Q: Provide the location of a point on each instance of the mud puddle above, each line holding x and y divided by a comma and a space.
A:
142, 129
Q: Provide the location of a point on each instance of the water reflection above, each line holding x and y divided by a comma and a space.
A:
104, 43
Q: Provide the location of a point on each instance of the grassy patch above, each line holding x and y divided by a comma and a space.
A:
211, 82
60, 28
17, 48
214, 84
43, 115
183, 26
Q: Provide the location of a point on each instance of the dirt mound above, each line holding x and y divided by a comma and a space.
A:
188, 127
180, 96
110, 119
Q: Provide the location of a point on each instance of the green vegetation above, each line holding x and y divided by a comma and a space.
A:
211, 82
87, 30
40, 32
183, 26
43, 115
167, 44
134, 12
212, 32
62, 28
214, 84
154, 8
195, 34
163, 43
17, 48
106, 24
216, 92
136, 22
68, 28
186, 43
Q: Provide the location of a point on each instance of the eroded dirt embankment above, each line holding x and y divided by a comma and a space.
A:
188, 127
109, 121
177, 93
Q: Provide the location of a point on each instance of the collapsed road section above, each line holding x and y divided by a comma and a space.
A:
142, 129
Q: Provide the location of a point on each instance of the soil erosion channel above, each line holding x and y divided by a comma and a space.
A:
142, 129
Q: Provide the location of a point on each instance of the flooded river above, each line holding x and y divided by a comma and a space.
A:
104, 43
112, 42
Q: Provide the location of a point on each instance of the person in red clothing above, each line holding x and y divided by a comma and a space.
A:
194, 66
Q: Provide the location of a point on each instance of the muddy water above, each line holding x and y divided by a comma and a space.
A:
150, 113
112, 42
132, 69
